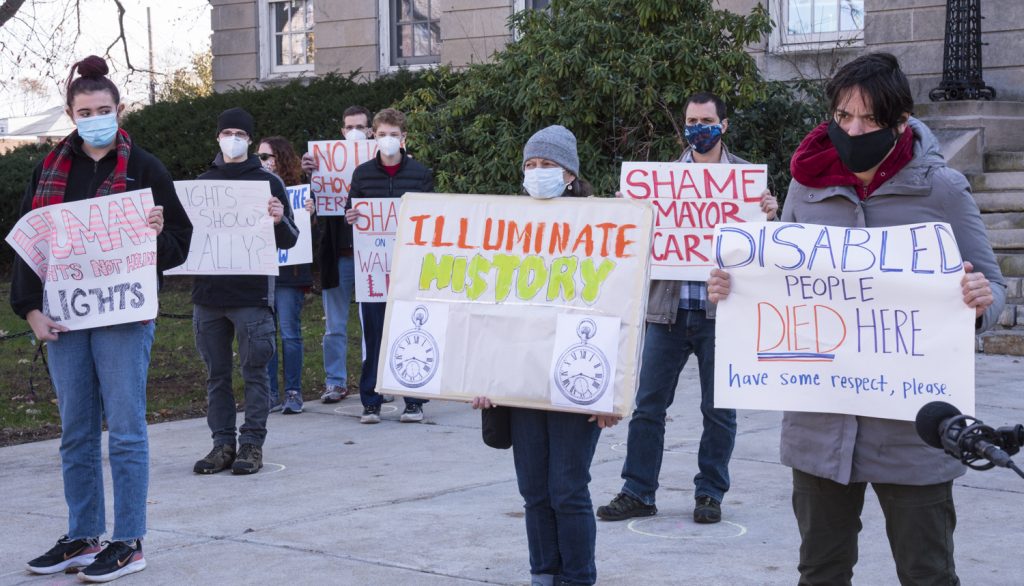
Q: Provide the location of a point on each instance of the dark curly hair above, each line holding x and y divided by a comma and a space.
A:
287, 164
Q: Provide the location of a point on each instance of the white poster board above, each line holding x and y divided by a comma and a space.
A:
336, 160
302, 252
373, 238
232, 232
861, 321
95, 257
689, 200
531, 303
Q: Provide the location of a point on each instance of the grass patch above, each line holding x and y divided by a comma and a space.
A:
177, 376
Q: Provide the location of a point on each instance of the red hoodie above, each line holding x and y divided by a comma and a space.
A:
816, 162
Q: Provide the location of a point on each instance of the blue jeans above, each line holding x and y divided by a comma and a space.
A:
666, 349
214, 328
288, 306
373, 332
552, 453
101, 373
337, 301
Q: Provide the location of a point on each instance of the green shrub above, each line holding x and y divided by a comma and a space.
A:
182, 134
615, 72
15, 172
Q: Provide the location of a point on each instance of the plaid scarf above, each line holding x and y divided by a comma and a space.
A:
57, 166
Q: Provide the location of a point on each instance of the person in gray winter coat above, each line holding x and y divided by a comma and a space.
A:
873, 165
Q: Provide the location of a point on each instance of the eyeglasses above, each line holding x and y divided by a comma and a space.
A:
237, 133
265, 156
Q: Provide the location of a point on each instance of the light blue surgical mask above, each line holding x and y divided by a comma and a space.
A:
544, 183
98, 131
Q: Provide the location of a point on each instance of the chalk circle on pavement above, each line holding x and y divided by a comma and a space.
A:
621, 446
683, 527
356, 410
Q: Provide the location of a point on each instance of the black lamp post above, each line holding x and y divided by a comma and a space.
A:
961, 60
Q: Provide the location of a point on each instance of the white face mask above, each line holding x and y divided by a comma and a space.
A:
233, 147
355, 135
389, 145
544, 183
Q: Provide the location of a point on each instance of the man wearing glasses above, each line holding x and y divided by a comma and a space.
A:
337, 270
229, 306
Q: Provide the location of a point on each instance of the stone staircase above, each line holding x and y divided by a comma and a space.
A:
999, 191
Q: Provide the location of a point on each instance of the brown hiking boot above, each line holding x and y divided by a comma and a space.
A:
219, 458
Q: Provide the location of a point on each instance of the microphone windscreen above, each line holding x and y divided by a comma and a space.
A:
930, 417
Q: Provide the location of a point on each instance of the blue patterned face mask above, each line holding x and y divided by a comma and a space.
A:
703, 137
98, 131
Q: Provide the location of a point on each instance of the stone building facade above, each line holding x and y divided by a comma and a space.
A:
256, 42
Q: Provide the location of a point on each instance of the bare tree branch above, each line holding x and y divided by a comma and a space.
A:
8, 9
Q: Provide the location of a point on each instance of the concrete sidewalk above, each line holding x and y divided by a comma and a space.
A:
344, 503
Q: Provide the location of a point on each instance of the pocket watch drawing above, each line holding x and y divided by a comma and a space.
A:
414, 355
581, 373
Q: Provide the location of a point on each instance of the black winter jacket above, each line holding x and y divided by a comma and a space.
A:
246, 290
371, 180
144, 171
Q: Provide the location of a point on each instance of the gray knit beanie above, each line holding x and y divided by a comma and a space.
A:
554, 143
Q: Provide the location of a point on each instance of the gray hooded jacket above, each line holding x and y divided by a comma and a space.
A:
847, 448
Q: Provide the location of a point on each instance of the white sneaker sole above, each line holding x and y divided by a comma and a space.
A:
131, 568
369, 419
411, 418
75, 562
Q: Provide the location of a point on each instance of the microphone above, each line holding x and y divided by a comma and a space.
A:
942, 426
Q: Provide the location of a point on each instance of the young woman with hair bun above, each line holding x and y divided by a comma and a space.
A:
99, 374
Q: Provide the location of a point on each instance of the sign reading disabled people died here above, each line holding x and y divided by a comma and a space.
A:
336, 160
373, 238
302, 252
232, 232
689, 200
532, 303
95, 257
859, 321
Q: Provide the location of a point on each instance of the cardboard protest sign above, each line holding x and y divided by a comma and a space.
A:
232, 233
689, 200
532, 303
373, 238
95, 257
337, 159
861, 321
302, 252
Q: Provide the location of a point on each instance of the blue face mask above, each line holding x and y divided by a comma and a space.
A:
98, 131
703, 137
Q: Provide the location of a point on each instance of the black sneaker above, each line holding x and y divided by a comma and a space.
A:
249, 460
623, 507
219, 458
707, 510
413, 413
67, 554
370, 415
116, 560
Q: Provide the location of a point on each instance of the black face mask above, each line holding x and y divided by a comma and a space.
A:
860, 153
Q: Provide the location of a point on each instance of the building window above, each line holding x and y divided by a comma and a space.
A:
814, 24
531, 5
286, 39
410, 33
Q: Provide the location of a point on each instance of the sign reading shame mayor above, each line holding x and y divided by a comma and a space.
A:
532, 303
95, 257
860, 321
689, 200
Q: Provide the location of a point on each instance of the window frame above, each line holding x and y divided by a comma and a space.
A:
782, 42
387, 21
269, 69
